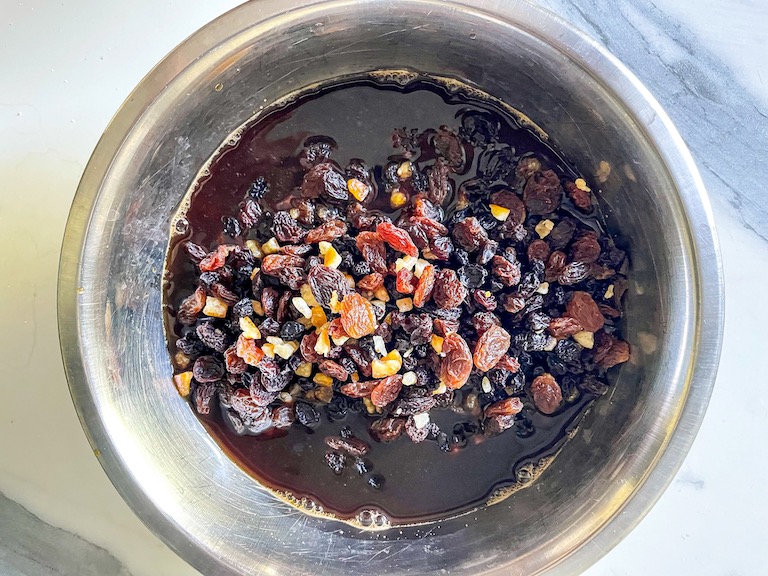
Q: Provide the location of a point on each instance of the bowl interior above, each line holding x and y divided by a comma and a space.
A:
156, 451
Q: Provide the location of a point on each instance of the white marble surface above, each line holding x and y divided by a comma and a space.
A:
66, 67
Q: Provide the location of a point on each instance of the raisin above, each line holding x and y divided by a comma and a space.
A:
485, 299
333, 369
419, 327
513, 304
387, 429
593, 385
438, 182
414, 405
538, 321
483, 321
213, 337
375, 481
538, 250
258, 188
511, 201
282, 417
216, 259
479, 128
232, 227
469, 234
247, 349
472, 276
207, 369
326, 232
508, 363
491, 346
542, 193
496, 424
291, 330
424, 208
405, 281
373, 251
324, 281
415, 433
271, 377
357, 316
336, 462
449, 147
233, 362
225, 294
360, 358
325, 180
448, 291
272, 264
292, 277
397, 238
456, 364
189, 344
555, 265
191, 306
573, 273
242, 308
269, 301
306, 414
371, 282
429, 227
582, 199
386, 390
586, 248
506, 271
306, 211
564, 327
583, 309
562, 234
487, 252
547, 395
317, 149
195, 252
203, 395
609, 350
506, 407
441, 248
269, 327
352, 446
359, 389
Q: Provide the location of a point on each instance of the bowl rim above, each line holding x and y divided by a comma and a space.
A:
560, 34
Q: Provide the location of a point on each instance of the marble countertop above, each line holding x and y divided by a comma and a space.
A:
68, 65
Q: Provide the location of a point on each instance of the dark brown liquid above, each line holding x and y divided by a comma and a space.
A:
421, 482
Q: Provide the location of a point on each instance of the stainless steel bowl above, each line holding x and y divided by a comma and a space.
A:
159, 456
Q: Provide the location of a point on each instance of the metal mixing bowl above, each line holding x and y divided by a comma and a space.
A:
152, 446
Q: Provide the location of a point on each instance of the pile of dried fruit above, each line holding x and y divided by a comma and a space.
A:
504, 288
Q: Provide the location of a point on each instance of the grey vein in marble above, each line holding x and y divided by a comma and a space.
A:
725, 128
30, 547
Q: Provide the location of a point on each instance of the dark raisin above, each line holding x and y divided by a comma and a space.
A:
269, 327
375, 481
469, 234
336, 462
538, 321
291, 330
232, 227
208, 369
213, 337
472, 276
189, 344
242, 308
258, 188
362, 466
195, 252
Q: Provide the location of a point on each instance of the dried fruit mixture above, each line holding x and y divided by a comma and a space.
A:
463, 275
